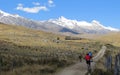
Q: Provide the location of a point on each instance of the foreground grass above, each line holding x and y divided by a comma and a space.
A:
101, 68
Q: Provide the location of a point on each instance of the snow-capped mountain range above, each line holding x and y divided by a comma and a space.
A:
83, 24
60, 25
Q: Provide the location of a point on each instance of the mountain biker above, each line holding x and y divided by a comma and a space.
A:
80, 57
87, 58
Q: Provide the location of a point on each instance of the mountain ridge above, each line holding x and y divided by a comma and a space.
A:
72, 23
60, 25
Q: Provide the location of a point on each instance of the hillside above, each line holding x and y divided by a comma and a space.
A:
27, 51
23, 36
22, 49
113, 38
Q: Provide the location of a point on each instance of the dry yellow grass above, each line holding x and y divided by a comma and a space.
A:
112, 38
28, 37
23, 44
37, 41
24, 36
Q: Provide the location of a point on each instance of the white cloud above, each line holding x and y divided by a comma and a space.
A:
51, 3
36, 3
34, 9
20, 5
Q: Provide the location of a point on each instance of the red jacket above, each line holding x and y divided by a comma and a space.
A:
87, 57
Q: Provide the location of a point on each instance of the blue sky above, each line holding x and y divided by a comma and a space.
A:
107, 12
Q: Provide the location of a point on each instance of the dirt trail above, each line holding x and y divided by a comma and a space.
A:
80, 68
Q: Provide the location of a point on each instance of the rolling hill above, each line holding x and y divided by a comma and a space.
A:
113, 38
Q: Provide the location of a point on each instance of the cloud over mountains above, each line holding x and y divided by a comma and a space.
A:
36, 8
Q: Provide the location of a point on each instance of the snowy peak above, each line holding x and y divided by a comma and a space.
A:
62, 18
2, 14
64, 22
112, 29
94, 22
72, 24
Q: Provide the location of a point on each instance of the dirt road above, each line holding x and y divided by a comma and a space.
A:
80, 68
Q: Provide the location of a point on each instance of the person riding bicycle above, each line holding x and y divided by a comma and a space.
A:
80, 57
88, 62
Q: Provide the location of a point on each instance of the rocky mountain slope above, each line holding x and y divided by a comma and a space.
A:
60, 25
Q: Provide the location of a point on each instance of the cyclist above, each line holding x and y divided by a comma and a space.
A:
87, 58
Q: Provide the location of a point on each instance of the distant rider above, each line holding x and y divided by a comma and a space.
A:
80, 57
